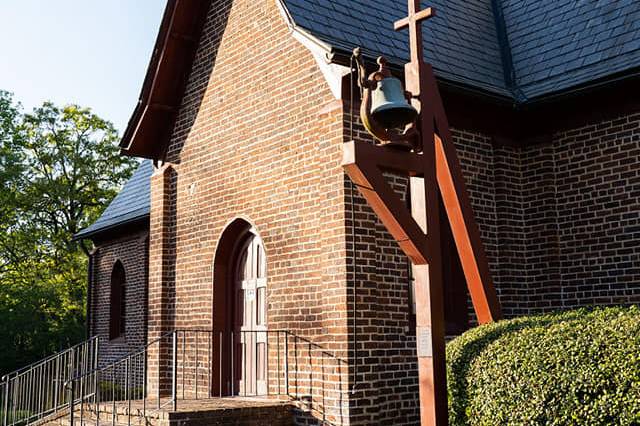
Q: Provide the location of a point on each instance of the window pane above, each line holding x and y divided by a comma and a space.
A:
261, 305
262, 361
117, 301
240, 307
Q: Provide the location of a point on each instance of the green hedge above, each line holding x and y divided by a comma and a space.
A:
573, 368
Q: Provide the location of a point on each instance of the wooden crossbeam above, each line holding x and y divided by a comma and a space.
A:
417, 17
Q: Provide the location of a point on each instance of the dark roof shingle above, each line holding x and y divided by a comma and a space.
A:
132, 203
554, 44
557, 44
460, 42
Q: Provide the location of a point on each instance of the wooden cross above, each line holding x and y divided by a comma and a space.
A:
414, 22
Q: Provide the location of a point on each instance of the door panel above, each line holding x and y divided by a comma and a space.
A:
251, 319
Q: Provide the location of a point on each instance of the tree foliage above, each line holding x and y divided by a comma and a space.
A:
59, 167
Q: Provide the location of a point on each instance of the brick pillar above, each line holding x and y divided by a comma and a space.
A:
161, 281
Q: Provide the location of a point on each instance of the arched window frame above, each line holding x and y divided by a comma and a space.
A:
118, 301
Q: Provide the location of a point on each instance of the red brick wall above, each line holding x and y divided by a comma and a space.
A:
252, 140
561, 226
560, 220
256, 137
584, 218
131, 251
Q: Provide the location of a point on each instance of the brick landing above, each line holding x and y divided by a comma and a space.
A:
215, 411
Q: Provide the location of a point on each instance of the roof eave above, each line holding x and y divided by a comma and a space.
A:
90, 235
152, 119
589, 87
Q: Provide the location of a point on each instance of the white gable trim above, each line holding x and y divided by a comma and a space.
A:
320, 50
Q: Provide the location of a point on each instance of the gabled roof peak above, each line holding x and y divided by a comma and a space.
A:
520, 50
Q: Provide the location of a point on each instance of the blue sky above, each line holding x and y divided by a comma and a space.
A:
89, 52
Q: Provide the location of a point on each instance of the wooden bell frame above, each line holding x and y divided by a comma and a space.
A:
434, 169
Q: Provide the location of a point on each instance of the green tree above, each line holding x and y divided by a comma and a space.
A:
60, 167
10, 169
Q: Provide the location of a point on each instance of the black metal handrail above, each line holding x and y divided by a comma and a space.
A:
191, 364
37, 390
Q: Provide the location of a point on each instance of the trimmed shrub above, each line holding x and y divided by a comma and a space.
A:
573, 368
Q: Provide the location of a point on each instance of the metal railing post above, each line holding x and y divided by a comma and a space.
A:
97, 397
71, 402
196, 366
128, 370
96, 361
5, 414
144, 382
174, 384
286, 362
56, 385
233, 364
126, 378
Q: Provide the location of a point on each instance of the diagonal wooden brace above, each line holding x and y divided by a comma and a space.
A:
365, 163
361, 162
466, 234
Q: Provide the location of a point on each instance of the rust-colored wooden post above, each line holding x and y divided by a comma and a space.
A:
429, 298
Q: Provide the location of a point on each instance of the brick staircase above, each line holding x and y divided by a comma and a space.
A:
214, 411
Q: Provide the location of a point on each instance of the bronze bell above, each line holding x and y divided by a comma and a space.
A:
385, 112
389, 107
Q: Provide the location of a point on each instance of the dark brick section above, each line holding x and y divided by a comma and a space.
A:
131, 251
597, 189
567, 216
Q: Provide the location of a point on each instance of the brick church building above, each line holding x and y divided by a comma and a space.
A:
240, 221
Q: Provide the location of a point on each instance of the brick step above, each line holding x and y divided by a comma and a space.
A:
89, 417
92, 420
212, 412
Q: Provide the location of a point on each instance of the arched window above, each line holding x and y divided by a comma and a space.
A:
118, 301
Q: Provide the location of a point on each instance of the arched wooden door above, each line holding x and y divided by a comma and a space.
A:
250, 322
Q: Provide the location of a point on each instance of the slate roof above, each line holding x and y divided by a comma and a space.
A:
557, 44
522, 50
131, 204
550, 45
